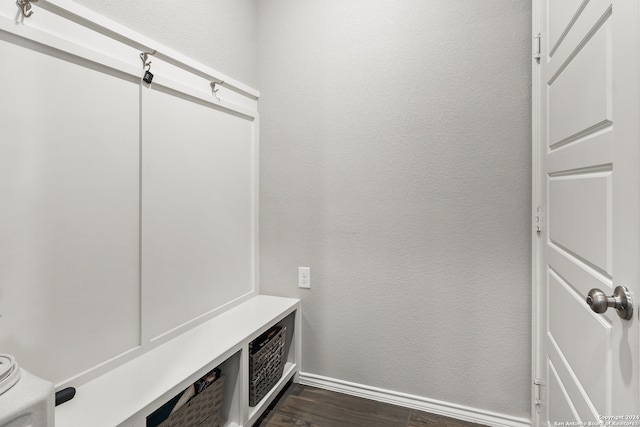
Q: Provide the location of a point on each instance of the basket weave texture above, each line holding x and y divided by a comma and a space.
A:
203, 410
266, 366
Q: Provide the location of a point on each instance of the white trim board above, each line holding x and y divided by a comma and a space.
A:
536, 200
83, 16
433, 406
74, 30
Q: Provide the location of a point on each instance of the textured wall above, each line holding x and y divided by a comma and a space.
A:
395, 162
218, 33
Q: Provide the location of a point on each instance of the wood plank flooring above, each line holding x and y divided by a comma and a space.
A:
304, 406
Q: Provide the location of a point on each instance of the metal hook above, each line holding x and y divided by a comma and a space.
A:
144, 56
215, 90
146, 65
25, 5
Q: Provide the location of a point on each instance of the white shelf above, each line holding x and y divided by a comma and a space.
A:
127, 394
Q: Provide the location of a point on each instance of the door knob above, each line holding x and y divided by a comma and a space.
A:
621, 301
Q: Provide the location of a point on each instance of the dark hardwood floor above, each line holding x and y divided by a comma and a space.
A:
304, 406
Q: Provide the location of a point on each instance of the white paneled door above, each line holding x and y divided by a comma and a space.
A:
586, 121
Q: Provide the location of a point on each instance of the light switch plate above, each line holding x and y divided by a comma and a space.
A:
304, 277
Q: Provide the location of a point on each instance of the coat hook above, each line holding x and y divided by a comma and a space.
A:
215, 90
144, 56
146, 65
25, 5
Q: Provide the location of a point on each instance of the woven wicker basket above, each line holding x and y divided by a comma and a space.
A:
203, 410
266, 366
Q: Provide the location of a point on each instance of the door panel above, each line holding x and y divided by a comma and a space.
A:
594, 149
571, 322
563, 408
568, 117
579, 217
568, 397
588, 109
595, 14
561, 17
580, 276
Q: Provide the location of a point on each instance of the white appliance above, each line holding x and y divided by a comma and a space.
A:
25, 400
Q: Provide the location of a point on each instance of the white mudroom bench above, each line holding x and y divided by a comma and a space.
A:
126, 395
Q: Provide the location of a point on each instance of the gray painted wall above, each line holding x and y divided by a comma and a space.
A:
218, 33
395, 162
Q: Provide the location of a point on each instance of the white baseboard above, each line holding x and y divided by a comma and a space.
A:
438, 407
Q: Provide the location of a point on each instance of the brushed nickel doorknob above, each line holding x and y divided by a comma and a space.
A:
621, 301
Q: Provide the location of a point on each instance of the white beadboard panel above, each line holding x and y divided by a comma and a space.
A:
580, 219
69, 223
568, 92
563, 14
589, 360
198, 210
64, 241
